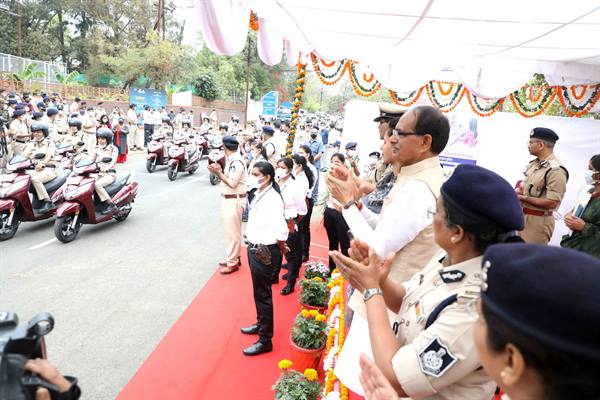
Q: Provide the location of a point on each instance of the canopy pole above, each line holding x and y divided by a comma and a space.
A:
296, 110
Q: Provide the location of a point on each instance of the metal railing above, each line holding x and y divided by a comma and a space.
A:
15, 64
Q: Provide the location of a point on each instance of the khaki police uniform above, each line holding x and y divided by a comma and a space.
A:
437, 359
20, 137
167, 134
38, 178
544, 179
89, 128
107, 174
270, 148
233, 200
61, 123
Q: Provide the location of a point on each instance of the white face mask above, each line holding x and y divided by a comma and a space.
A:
351, 153
281, 173
253, 182
589, 177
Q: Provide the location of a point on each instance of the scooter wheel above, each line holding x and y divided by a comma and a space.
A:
8, 231
151, 165
172, 173
63, 229
214, 179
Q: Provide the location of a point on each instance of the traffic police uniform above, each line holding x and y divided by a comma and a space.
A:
269, 146
89, 128
545, 179
38, 178
437, 358
233, 200
20, 132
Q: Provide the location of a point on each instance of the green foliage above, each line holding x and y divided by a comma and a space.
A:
292, 385
206, 86
68, 79
28, 73
308, 332
314, 269
314, 293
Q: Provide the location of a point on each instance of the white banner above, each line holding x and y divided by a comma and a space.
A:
183, 99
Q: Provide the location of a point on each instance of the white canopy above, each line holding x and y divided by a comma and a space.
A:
493, 47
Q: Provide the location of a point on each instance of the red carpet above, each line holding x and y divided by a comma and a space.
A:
201, 356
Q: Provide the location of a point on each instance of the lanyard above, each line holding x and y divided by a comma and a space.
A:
255, 201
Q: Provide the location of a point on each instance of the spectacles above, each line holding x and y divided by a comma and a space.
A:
431, 212
396, 132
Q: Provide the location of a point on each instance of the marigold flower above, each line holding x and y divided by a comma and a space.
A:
310, 374
317, 279
313, 313
320, 318
284, 364
305, 313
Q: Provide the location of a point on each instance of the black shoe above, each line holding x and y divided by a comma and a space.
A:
112, 208
289, 288
304, 259
258, 348
250, 330
284, 266
285, 276
47, 206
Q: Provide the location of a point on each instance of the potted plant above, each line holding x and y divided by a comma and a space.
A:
294, 385
308, 339
316, 268
314, 294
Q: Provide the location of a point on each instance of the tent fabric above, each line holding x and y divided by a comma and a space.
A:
492, 47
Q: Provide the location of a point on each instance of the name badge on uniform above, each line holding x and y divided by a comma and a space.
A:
435, 358
420, 315
452, 276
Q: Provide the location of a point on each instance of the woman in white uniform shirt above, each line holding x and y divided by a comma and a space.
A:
294, 200
304, 172
267, 233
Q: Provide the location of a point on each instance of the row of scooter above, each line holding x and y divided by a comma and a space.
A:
71, 192
185, 150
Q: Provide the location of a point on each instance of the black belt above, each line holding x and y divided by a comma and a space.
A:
20, 141
234, 196
271, 246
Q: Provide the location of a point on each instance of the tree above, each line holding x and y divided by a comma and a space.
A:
206, 86
68, 79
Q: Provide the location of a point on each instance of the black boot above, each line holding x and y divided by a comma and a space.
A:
47, 206
111, 208
289, 288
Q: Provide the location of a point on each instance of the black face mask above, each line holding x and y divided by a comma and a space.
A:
313, 135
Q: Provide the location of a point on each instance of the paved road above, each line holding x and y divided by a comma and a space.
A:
116, 289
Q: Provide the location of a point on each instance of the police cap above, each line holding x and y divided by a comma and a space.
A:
483, 195
37, 115
375, 154
546, 134
388, 111
18, 113
12, 101
351, 145
51, 112
548, 293
268, 130
230, 141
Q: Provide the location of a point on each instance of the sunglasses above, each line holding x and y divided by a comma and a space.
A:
398, 133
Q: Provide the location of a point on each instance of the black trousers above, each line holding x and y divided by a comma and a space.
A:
294, 256
148, 132
304, 229
262, 276
337, 233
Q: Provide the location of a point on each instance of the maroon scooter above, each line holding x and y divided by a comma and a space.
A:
156, 154
183, 158
16, 204
81, 205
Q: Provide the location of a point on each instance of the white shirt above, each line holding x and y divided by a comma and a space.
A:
147, 117
131, 116
302, 181
266, 222
74, 107
404, 218
294, 198
315, 177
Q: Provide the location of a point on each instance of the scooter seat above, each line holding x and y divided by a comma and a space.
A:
191, 153
61, 178
118, 183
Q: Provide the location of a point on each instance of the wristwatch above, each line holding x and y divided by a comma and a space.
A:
368, 293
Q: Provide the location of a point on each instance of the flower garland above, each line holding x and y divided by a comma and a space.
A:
335, 337
253, 21
537, 108
577, 110
359, 89
299, 91
482, 110
452, 103
331, 78
408, 100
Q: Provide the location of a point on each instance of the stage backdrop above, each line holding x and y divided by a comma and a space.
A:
498, 143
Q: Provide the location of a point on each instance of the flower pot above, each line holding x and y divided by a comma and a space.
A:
305, 358
319, 309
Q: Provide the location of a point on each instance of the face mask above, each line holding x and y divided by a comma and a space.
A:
351, 153
281, 173
253, 182
313, 135
589, 177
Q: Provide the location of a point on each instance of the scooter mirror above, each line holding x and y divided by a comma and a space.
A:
106, 159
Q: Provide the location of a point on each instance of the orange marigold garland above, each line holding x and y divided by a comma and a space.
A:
577, 109
335, 338
535, 108
409, 100
481, 110
299, 91
357, 85
459, 92
253, 21
328, 79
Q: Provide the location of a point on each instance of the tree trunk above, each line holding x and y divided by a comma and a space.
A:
61, 38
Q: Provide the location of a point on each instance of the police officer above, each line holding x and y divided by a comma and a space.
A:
51, 115
19, 131
44, 168
543, 187
352, 158
89, 122
269, 145
428, 351
233, 193
106, 174
75, 136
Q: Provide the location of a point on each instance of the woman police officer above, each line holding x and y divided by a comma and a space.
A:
266, 233
429, 351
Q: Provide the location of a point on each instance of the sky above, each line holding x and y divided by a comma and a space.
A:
188, 10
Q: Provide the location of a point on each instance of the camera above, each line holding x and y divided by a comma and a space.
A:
19, 343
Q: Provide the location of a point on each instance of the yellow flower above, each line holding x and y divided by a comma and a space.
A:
313, 313
305, 313
284, 364
310, 374
317, 279
320, 318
